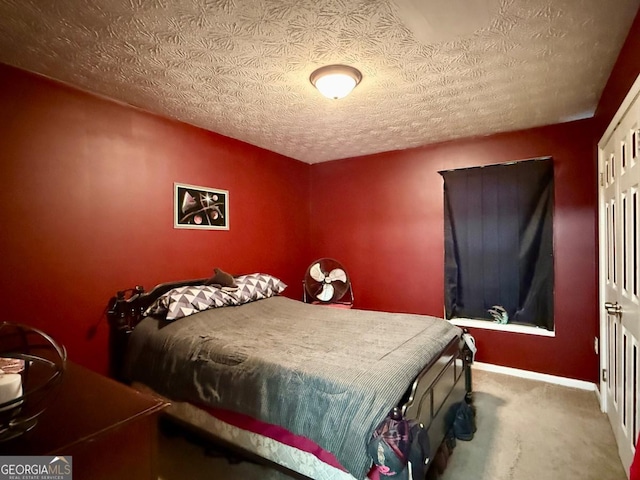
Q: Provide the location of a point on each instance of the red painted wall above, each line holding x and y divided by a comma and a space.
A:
86, 206
382, 216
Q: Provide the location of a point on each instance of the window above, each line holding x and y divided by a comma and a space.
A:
499, 243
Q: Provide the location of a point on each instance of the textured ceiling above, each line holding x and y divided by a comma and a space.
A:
433, 70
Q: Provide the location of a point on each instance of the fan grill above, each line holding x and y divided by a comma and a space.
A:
326, 281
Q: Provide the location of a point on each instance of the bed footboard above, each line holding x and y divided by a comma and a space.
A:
437, 388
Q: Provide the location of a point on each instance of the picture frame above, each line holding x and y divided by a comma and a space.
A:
200, 208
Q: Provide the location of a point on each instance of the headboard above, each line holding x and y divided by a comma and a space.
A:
124, 312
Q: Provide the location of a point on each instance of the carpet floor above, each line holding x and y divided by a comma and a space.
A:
527, 430
533, 430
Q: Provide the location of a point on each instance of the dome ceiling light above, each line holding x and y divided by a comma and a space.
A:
335, 81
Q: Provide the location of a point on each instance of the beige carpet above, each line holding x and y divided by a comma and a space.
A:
532, 430
527, 430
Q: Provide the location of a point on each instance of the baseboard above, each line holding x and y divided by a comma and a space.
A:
541, 377
600, 400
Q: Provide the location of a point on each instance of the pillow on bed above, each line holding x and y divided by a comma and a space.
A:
221, 278
257, 286
184, 301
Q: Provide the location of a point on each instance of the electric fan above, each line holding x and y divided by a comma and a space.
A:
326, 281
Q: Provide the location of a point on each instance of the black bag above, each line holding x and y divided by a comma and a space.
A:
400, 448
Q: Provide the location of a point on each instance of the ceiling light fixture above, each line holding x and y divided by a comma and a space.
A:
335, 81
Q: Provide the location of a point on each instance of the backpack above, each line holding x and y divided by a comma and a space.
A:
399, 448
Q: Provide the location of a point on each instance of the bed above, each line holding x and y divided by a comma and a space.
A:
300, 385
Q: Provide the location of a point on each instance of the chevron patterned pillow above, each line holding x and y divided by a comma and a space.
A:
257, 286
184, 301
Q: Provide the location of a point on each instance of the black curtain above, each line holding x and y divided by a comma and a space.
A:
499, 241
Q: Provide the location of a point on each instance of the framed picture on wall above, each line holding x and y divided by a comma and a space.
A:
200, 207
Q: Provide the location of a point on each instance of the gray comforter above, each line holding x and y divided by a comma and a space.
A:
331, 375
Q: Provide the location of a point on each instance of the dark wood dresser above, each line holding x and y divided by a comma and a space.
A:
109, 429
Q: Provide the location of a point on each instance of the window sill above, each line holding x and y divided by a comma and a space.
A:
488, 325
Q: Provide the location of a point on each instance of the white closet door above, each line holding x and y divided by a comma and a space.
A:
619, 206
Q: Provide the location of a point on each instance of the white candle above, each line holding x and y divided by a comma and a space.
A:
10, 388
